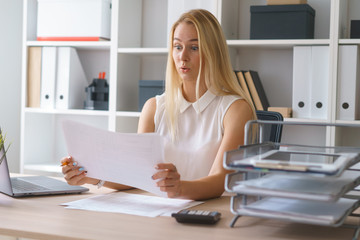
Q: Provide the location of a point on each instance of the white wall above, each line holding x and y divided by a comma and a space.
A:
10, 76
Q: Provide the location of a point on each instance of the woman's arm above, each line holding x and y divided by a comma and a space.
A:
212, 185
146, 121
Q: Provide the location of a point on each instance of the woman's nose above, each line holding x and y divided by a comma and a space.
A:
184, 56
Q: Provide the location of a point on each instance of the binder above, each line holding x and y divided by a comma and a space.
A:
48, 77
256, 90
243, 84
301, 82
348, 93
319, 81
34, 77
71, 80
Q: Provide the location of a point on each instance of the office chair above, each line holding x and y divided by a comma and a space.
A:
270, 132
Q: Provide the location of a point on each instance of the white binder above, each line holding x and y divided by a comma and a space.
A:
48, 77
301, 82
319, 81
310, 81
71, 80
348, 88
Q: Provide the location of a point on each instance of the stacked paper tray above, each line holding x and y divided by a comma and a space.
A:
306, 187
290, 158
303, 211
306, 196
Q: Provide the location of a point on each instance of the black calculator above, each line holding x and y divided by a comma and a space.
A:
197, 216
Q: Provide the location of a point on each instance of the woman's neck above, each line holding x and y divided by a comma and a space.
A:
189, 91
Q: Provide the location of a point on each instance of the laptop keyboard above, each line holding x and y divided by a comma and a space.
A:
19, 185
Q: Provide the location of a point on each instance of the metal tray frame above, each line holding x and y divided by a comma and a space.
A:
248, 139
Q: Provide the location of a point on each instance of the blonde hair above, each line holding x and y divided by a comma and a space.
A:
215, 64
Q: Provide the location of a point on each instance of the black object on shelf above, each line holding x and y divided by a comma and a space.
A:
97, 95
355, 29
282, 22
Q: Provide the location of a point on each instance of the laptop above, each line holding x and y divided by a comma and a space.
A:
32, 185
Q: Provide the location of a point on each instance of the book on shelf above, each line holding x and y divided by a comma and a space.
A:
242, 82
256, 90
34, 77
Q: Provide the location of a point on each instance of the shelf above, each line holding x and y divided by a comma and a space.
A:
277, 43
305, 120
127, 114
351, 122
101, 45
68, 111
136, 52
349, 41
143, 51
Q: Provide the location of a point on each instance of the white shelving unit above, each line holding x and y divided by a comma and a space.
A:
138, 51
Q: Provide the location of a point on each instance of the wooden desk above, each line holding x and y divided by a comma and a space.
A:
43, 218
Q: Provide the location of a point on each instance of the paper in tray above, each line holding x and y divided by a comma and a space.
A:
298, 186
303, 211
270, 156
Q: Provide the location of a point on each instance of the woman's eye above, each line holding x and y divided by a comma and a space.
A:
178, 47
194, 48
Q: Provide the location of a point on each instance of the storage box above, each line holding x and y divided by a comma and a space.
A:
282, 22
355, 29
73, 20
149, 89
284, 2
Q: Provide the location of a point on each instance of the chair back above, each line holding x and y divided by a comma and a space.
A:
270, 132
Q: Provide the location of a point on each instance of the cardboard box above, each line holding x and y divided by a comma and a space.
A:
286, 112
69, 20
282, 22
149, 89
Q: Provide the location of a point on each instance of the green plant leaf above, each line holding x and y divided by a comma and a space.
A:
2, 144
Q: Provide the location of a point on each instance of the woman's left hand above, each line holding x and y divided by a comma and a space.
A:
169, 179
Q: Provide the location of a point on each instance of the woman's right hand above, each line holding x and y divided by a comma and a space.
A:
74, 174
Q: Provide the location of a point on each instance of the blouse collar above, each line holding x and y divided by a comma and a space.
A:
199, 105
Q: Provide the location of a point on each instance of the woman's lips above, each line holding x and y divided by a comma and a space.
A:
184, 69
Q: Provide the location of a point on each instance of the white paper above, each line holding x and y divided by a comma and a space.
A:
299, 186
125, 158
142, 205
302, 210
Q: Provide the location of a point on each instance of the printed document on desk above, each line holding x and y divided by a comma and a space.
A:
135, 204
125, 158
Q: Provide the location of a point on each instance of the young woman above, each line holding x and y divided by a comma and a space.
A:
202, 113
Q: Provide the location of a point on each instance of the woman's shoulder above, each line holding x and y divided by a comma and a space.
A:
160, 100
227, 100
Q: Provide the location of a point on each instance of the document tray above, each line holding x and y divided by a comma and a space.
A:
302, 211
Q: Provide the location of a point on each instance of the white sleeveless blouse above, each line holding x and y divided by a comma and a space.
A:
200, 133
